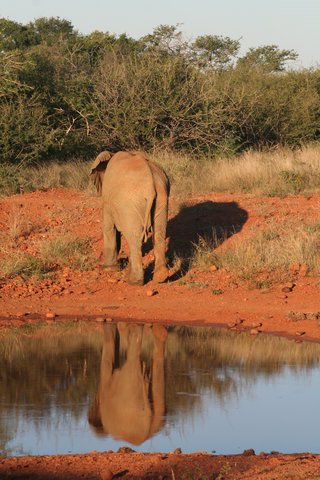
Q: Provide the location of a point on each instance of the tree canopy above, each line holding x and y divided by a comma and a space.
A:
66, 94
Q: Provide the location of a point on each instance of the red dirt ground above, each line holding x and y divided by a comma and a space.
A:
29, 219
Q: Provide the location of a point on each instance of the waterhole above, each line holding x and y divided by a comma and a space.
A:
73, 387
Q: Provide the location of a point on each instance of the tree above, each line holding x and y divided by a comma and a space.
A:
52, 30
97, 43
214, 50
165, 40
268, 58
14, 36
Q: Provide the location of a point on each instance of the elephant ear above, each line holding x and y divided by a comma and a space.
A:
98, 168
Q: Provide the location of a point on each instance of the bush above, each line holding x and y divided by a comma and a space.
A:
63, 94
25, 133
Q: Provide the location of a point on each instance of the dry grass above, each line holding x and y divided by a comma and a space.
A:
274, 249
204, 252
19, 227
276, 173
53, 255
69, 250
27, 265
73, 174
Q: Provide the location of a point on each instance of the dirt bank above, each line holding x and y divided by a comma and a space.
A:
170, 466
288, 307
206, 296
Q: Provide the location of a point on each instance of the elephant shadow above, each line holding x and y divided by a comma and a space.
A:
212, 221
129, 403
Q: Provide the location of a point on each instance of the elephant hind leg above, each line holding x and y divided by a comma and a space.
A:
110, 248
135, 270
160, 274
161, 271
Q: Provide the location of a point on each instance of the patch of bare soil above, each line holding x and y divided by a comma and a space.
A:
108, 465
211, 297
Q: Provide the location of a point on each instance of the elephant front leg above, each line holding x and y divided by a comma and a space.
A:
110, 249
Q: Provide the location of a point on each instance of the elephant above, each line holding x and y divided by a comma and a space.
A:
135, 195
129, 404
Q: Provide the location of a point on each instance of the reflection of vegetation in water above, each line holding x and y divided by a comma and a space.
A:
254, 353
60, 359
45, 366
57, 367
223, 362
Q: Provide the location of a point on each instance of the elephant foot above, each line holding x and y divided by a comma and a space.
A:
160, 332
161, 274
135, 281
111, 268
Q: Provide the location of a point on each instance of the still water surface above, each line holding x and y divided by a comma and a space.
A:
72, 389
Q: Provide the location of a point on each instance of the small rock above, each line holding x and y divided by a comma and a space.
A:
282, 296
151, 293
50, 315
294, 268
232, 324
263, 454
106, 474
249, 452
256, 325
100, 319
288, 288
213, 268
255, 331
299, 333
177, 451
296, 316
109, 319
112, 280
239, 321
303, 270
125, 450
290, 285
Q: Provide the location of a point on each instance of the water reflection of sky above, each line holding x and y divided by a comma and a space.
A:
264, 412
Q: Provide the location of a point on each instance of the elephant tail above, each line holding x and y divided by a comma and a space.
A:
147, 218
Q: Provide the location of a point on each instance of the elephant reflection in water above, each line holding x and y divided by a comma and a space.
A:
129, 404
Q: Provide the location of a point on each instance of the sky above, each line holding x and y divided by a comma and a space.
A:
290, 24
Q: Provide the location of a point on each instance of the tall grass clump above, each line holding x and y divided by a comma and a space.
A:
72, 251
275, 248
53, 255
26, 265
277, 172
73, 174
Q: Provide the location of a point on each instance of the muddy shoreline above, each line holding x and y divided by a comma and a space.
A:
198, 465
